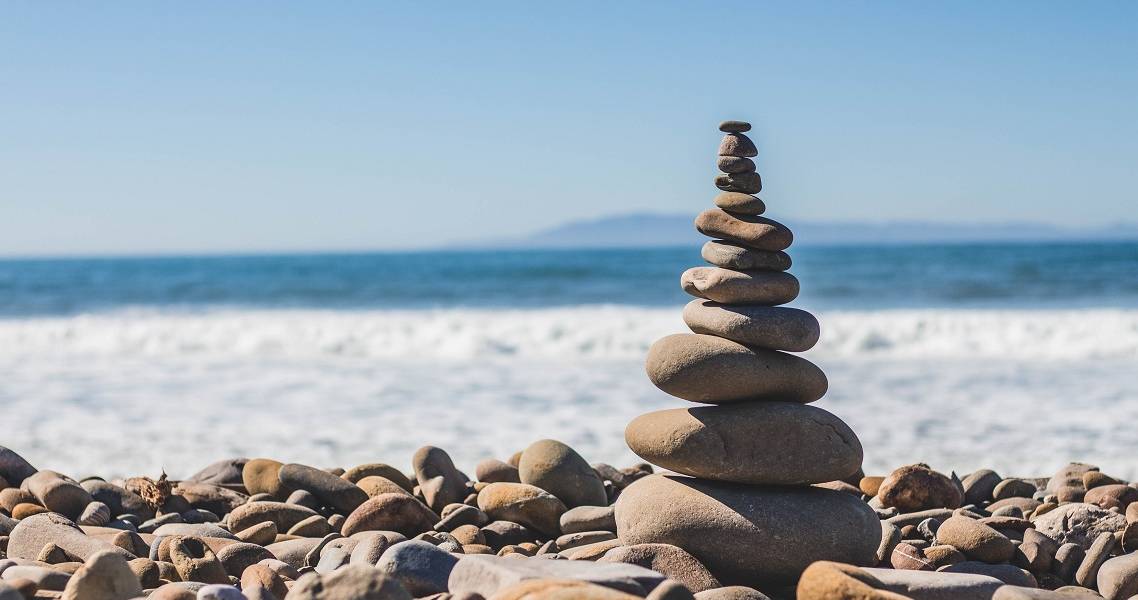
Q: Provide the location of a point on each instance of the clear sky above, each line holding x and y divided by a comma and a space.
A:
253, 126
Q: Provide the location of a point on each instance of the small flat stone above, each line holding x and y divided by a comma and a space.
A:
334, 492
773, 328
751, 442
709, 369
398, 512
558, 469
567, 541
672, 561
730, 255
744, 183
737, 144
735, 164
759, 233
521, 503
492, 470
976, 540
283, 515
588, 518
936, 585
1014, 488
765, 288
734, 126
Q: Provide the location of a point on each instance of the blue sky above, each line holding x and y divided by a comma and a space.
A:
213, 126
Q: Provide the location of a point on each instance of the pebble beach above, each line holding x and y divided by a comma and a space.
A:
740, 482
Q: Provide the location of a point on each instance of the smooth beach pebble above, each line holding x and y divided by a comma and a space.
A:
774, 532
734, 126
705, 368
528, 505
976, 540
333, 491
731, 255
764, 288
744, 183
775, 443
752, 231
397, 512
735, 164
738, 203
737, 144
672, 561
441, 483
773, 328
917, 487
556, 468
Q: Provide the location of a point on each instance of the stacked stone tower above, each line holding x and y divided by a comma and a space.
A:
747, 507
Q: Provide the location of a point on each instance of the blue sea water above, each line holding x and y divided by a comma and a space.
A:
996, 355
863, 277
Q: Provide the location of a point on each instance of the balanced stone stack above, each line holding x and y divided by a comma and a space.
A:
744, 502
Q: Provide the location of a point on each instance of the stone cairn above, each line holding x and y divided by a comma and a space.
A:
746, 501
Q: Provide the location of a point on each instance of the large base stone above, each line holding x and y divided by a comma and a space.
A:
748, 535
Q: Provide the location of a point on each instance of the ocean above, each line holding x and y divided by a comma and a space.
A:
1016, 356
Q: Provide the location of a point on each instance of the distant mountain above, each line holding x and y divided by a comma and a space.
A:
647, 230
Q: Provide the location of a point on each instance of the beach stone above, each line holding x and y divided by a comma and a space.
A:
942, 555
203, 530
486, 575
522, 503
119, 499
890, 538
1093, 479
1013, 488
1009, 574
13, 468
391, 512
737, 144
588, 518
314, 526
559, 589
261, 476
1025, 505
27, 509
220, 592
731, 255
235, 558
31, 535
227, 471
506, 533
936, 585
674, 562
1111, 496
1087, 573
103, 576
439, 480
1013, 592
734, 126
698, 515
356, 473
556, 468
348, 583
294, 551
44, 578
744, 183
1118, 577
976, 540
368, 551
492, 470
261, 576
207, 496
735, 164
146, 571
374, 485
764, 288
752, 231
333, 491
281, 514
176, 591
770, 327
1069, 475
95, 513
195, 561
420, 567
906, 556
979, 485
825, 580
12, 497
463, 514
17, 590
1067, 560
567, 541
591, 552
58, 493
262, 534
1079, 523
917, 487
709, 369
732, 592
748, 442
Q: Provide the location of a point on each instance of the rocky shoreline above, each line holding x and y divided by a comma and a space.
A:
547, 524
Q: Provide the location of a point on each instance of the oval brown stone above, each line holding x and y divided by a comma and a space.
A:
752, 231
745, 183
766, 288
776, 443
523, 503
705, 368
730, 255
391, 512
558, 469
735, 164
748, 535
734, 126
917, 487
737, 144
740, 203
771, 327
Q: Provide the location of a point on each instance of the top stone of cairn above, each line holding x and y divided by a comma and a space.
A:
734, 126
